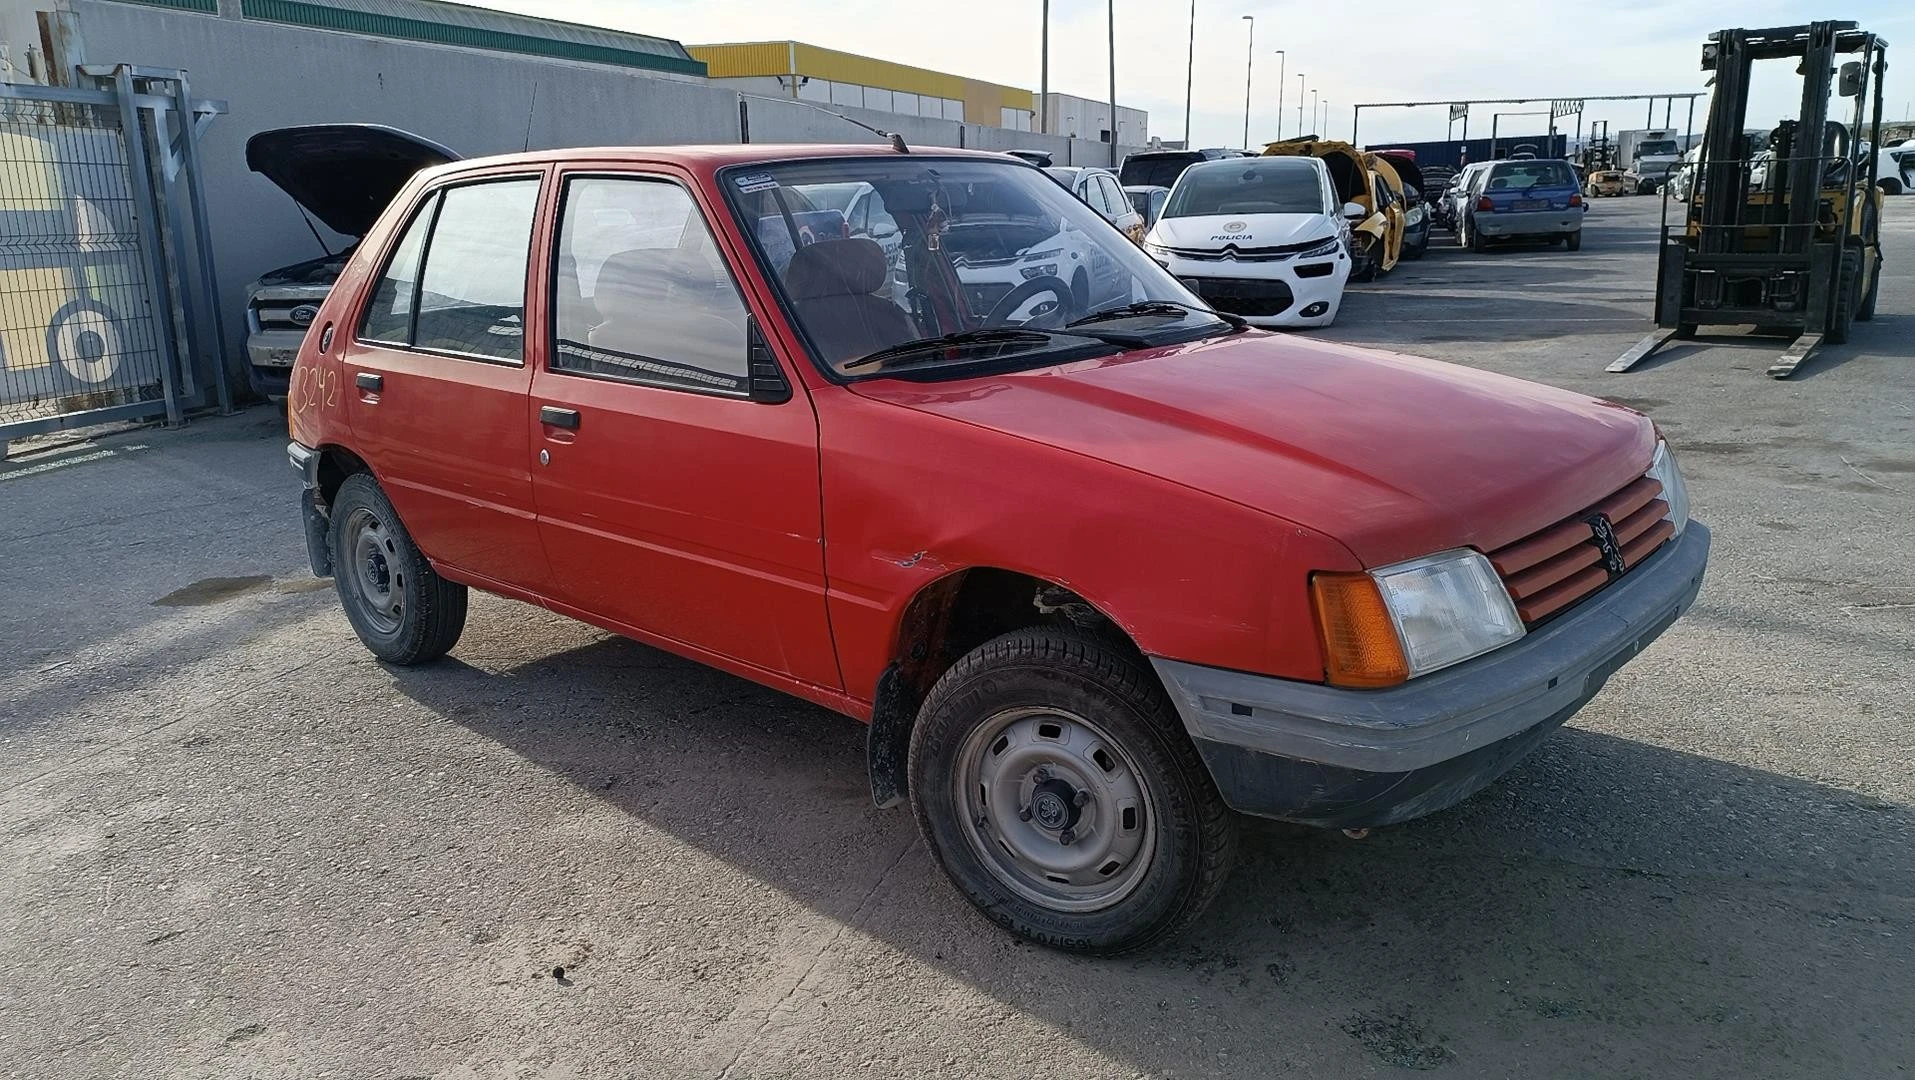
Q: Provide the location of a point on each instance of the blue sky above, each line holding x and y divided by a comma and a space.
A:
1420, 50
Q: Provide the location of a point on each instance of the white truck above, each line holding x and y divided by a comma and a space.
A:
1648, 155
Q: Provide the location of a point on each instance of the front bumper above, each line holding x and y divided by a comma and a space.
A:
1250, 289
270, 354
1529, 222
1357, 758
312, 509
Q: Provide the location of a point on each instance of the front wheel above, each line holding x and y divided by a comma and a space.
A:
402, 610
1053, 781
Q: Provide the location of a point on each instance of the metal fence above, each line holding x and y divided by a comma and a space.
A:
105, 299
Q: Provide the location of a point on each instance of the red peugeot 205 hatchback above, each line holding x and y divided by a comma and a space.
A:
921, 438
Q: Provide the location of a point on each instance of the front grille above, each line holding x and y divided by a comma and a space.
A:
1236, 254
1549, 571
983, 298
1243, 296
278, 314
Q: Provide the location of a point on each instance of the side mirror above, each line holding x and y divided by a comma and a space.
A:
1354, 211
1849, 84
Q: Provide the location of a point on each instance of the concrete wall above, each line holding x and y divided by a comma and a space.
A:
472, 101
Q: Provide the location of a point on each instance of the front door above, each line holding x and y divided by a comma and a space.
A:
436, 380
670, 502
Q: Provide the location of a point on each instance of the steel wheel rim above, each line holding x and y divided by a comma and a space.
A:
372, 571
1026, 780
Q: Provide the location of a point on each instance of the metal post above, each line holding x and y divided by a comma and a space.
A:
1111, 16
146, 210
1649, 121
1282, 60
202, 238
1300, 78
1190, 69
1315, 129
1044, 73
1668, 109
1356, 117
1249, 65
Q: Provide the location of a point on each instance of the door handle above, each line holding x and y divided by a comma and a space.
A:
557, 417
369, 382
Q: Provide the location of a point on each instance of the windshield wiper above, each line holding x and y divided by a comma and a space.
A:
1165, 308
995, 335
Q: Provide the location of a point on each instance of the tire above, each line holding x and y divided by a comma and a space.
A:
1476, 242
1889, 185
1685, 331
1574, 240
402, 610
1371, 266
1867, 309
1080, 291
1847, 298
1065, 728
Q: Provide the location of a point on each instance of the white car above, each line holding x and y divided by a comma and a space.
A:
1895, 169
1263, 238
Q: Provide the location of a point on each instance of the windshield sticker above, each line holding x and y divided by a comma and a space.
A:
756, 182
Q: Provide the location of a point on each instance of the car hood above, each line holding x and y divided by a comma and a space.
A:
1392, 455
343, 174
1215, 231
318, 273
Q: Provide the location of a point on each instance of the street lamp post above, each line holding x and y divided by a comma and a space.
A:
1113, 82
1324, 124
1190, 70
1249, 64
1300, 77
1044, 75
1313, 111
1281, 60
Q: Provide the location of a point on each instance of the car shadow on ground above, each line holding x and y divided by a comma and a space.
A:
1612, 906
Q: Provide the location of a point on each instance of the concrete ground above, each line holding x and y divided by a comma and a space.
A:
232, 845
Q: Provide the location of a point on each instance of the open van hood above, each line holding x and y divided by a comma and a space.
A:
343, 174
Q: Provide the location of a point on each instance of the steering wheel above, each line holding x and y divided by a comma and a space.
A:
1059, 313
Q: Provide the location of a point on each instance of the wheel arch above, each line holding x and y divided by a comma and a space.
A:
945, 619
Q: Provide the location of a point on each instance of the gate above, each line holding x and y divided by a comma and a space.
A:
107, 301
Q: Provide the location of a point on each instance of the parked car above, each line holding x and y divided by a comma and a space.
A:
1460, 194
1097, 582
343, 175
1895, 169
1101, 192
1265, 239
1534, 199
1148, 201
1417, 215
1367, 180
1606, 182
1039, 158
1161, 168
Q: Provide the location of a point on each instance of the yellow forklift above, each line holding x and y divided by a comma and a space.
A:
1786, 239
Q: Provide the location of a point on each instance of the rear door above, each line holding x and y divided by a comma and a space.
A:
671, 502
436, 378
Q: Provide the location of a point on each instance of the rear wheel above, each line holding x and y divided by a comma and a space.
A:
1476, 242
402, 610
1867, 310
1053, 781
1574, 240
1889, 185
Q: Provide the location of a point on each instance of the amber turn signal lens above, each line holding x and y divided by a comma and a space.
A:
1360, 647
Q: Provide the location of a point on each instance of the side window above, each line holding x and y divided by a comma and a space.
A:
643, 293
1114, 195
388, 318
472, 290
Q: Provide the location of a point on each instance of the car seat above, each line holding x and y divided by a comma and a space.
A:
833, 285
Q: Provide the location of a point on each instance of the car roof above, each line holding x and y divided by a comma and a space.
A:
717, 156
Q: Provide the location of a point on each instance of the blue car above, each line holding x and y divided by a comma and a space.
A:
1525, 199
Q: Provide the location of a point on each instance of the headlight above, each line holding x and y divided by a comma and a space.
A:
1047, 253
1046, 270
1411, 618
1327, 246
1663, 468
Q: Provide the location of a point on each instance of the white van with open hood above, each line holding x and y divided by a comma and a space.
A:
343, 175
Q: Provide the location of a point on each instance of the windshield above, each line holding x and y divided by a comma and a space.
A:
1528, 174
835, 196
1156, 170
1657, 147
942, 247
1249, 186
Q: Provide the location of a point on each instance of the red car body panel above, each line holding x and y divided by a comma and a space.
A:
1187, 491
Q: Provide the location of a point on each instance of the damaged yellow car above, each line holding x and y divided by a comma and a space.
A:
1367, 181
